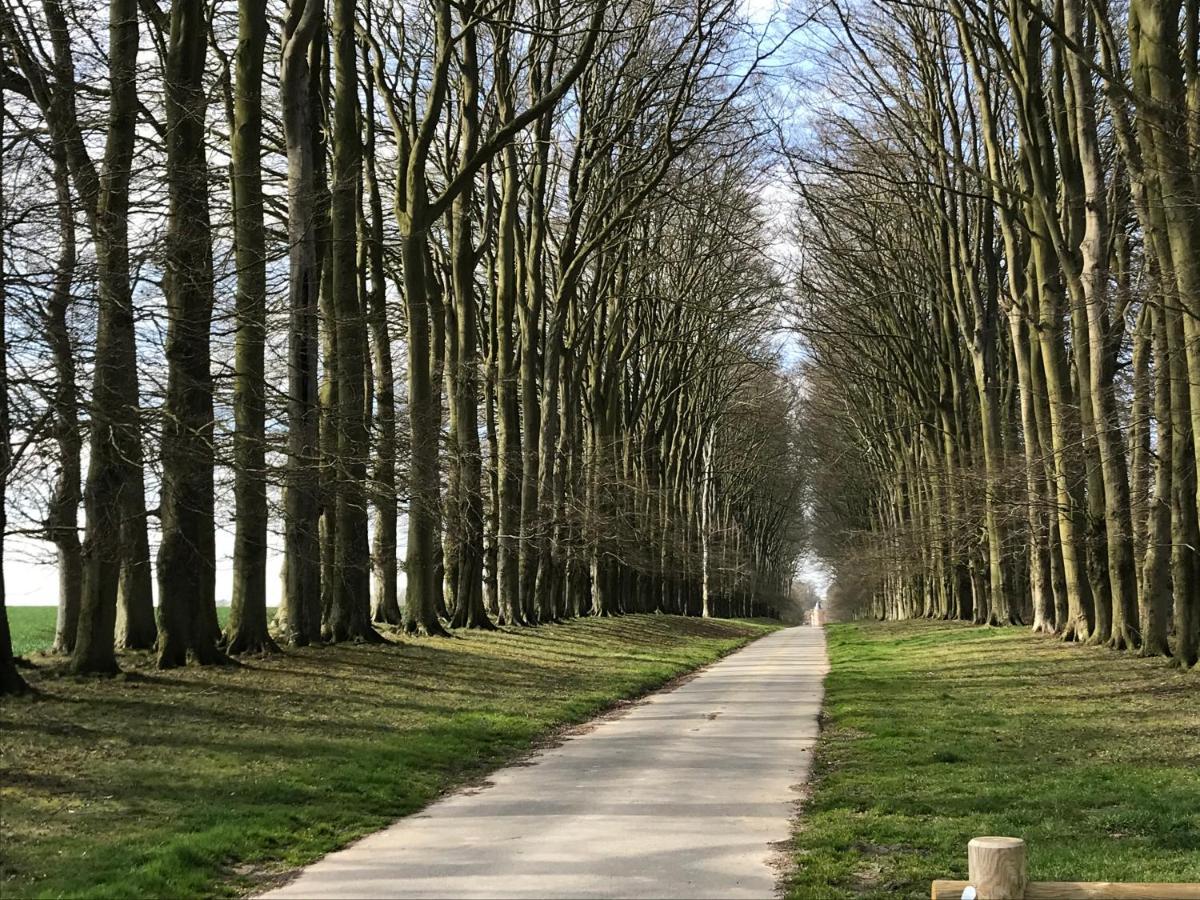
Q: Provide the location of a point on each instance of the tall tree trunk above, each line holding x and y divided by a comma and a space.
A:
104, 199
300, 612
11, 682
114, 455
530, 540
1158, 79
186, 567
135, 626
62, 522
1156, 586
1035, 500
491, 553
1171, 224
350, 615
247, 628
420, 604
385, 606
706, 475
466, 510
1185, 532
1093, 278
509, 460
1080, 611
327, 303
437, 378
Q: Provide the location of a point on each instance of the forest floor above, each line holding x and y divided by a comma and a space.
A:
935, 733
212, 781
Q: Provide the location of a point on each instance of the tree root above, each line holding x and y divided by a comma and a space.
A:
426, 629
261, 645
478, 620
1124, 638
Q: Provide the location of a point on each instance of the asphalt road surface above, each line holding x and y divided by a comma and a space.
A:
685, 794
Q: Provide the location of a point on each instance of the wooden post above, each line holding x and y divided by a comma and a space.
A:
996, 867
1076, 890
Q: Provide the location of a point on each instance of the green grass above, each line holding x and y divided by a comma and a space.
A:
200, 782
33, 626
937, 733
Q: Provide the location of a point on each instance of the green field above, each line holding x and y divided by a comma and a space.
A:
211, 781
33, 626
937, 733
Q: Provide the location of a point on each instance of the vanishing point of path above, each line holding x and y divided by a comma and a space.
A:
682, 795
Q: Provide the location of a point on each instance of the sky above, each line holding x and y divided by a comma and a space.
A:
31, 577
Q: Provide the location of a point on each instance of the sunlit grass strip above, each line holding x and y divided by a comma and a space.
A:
208, 781
937, 733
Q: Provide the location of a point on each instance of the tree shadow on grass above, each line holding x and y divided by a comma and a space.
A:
156, 784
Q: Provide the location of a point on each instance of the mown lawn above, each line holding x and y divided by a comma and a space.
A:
209, 782
937, 733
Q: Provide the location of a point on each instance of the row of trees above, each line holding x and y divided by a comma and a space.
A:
490, 271
1001, 291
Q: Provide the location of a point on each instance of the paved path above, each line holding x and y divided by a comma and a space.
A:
679, 797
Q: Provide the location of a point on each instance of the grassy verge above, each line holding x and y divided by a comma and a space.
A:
200, 781
937, 733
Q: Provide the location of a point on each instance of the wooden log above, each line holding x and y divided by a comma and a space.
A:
996, 867
1081, 890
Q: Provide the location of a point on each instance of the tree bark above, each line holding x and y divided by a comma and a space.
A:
114, 458
350, 615
247, 630
62, 522
385, 600
1156, 586
11, 681
300, 612
466, 511
186, 567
